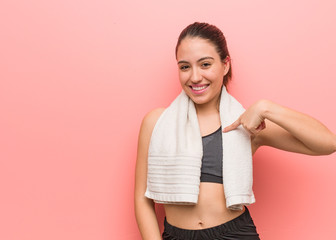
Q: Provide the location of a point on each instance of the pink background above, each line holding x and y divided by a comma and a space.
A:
77, 77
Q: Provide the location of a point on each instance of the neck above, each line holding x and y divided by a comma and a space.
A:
209, 107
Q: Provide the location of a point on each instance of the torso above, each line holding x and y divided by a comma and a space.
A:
210, 209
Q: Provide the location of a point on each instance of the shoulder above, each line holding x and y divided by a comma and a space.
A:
145, 133
151, 118
149, 121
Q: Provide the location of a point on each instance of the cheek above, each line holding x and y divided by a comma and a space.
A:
219, 74
213, 75
183, 76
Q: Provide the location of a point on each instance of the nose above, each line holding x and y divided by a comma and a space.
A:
195, 76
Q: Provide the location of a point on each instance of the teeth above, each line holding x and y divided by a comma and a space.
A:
199, 88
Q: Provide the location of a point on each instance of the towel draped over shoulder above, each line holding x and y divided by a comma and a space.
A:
175, 155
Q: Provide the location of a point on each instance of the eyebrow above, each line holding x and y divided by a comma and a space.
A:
199, 60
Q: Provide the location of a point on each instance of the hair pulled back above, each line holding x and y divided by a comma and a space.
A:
214, 35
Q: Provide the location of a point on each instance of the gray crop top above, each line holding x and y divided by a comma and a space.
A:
211, 170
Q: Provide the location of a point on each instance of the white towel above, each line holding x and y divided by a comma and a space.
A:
175, 155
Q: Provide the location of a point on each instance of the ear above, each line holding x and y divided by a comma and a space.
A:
226, 65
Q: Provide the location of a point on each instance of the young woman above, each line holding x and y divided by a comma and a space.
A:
204, 69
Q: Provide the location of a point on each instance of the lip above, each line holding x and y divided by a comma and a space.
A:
199, 91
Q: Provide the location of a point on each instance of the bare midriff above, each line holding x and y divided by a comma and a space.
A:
210, 210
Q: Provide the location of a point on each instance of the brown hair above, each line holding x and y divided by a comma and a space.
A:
214, 35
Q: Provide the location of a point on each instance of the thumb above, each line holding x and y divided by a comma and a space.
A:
232, 126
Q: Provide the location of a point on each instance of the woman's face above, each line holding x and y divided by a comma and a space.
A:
201, 70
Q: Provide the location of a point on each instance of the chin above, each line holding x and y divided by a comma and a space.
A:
198, 100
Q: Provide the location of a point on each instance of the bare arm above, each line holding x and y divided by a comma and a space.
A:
144, 207
274, 125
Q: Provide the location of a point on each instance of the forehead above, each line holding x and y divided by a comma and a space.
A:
192, 49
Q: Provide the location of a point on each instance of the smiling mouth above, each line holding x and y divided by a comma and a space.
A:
199, 89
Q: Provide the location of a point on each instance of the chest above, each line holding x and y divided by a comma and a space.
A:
209, 123
212, 164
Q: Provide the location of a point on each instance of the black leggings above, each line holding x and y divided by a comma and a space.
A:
241, 227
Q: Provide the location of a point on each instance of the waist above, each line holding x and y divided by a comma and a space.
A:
209, 211
230, 226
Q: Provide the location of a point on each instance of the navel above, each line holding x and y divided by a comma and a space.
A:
200, 224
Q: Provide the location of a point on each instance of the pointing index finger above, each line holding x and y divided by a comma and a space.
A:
232, 126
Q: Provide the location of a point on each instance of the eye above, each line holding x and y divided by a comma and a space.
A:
206, 65
184, 67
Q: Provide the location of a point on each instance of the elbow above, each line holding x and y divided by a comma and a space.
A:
141, 202
327, 148
332, 147
334, 143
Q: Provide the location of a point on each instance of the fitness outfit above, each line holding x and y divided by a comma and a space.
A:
239, 228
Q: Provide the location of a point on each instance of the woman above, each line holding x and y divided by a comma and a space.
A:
204, 70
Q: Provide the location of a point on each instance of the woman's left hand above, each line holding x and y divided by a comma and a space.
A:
252, 119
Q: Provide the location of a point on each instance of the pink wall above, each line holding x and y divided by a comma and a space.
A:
76, 78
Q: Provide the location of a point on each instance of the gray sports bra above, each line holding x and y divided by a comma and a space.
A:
211, 170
